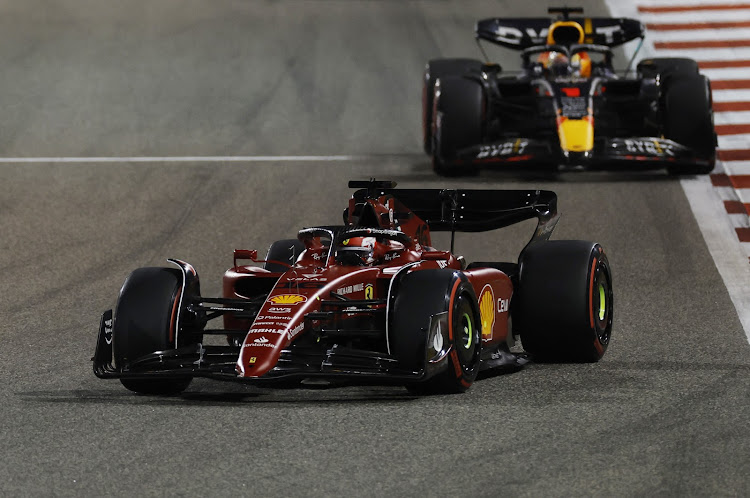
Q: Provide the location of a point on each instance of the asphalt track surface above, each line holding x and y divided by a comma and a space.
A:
665, 413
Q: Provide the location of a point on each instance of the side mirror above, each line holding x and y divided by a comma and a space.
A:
245, 254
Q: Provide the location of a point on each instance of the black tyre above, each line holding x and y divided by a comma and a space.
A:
145, 323
457, 123
435, 69
688, 116
564, 306
431, 292
667, 66
284, 251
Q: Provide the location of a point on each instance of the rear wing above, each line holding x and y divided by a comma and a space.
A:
458, 210
525, 32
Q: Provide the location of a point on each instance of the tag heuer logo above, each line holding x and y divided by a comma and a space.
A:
287, 299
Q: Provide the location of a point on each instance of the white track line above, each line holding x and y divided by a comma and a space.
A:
684, 3
734, 142
184, 159
738, 117
708, 54
727, 73
737, 167
718, 232
700, 34
730, 95
693, 16
729, 255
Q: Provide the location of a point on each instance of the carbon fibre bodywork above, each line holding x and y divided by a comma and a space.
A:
327, 317
578, 115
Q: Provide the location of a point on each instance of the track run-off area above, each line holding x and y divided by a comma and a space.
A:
715, 34
138, 131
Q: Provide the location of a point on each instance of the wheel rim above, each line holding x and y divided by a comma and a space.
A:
602, 304
466, 341
467, 330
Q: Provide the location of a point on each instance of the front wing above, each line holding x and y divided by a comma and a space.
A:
609, 153
218, 362
334, 363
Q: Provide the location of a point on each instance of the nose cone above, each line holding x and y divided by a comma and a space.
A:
279, 321
576, 135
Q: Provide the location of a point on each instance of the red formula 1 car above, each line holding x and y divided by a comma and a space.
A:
369, 301
567, 108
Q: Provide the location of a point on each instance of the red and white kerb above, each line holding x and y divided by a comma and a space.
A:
716, 33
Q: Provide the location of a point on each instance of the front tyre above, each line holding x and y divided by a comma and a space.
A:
283, 251
145, 322
421, 296
458, 121
564, 306
465, 330
439, 68
689, 121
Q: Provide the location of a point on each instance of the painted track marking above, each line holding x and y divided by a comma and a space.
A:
720, 202
185, 159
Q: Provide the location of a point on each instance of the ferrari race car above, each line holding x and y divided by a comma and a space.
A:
567, 108
369, 301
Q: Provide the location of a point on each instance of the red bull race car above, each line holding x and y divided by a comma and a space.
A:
369, 301
567, 108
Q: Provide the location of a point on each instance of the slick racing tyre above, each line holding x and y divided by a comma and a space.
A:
457, 123
284, 251
564, 305
435, 69
420, 296
144, 323
689, 121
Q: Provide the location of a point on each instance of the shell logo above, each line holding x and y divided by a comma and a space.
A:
487, 311
287, 299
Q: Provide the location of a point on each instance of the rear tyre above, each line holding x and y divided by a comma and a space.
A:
421, 295
564, 306
435, 69
145, 320
457, 123
689, 121
284, 251
667, 66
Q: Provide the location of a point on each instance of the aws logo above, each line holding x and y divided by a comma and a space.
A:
287, 299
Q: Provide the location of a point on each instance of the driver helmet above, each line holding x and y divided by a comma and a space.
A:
356, 251
364, 250
581, 63
555, 63
559, 64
